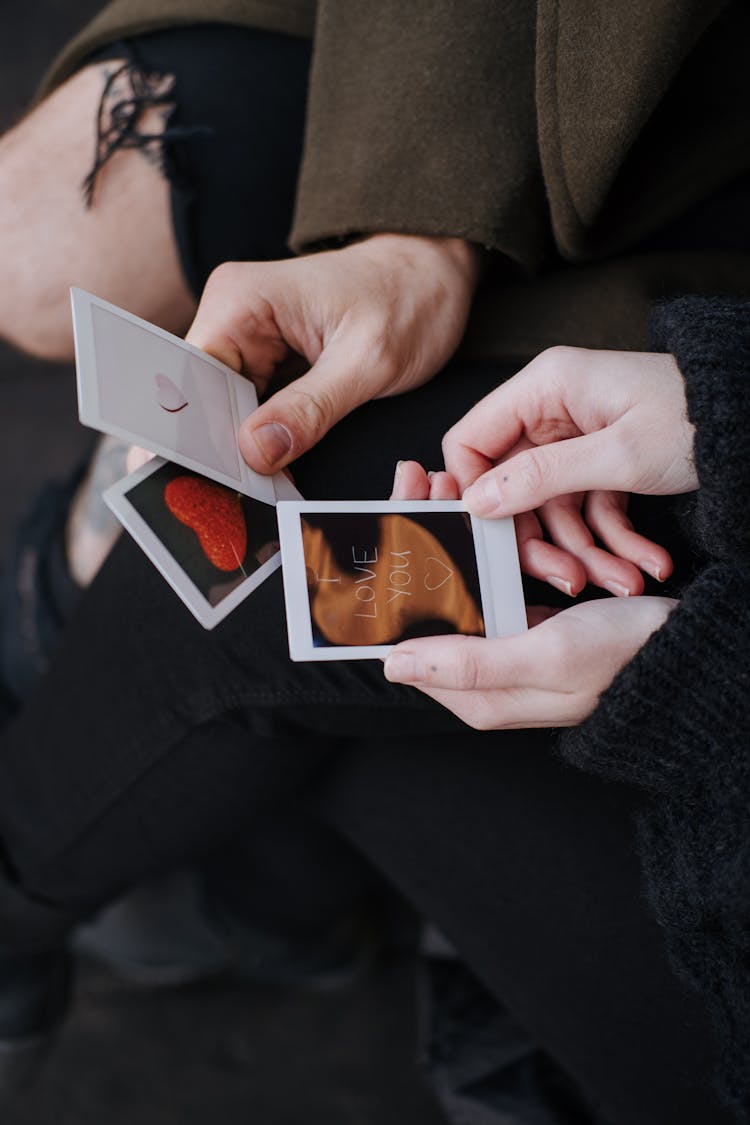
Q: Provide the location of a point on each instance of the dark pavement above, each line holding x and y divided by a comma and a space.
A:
224, 1054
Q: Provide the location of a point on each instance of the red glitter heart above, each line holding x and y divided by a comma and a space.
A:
215, 514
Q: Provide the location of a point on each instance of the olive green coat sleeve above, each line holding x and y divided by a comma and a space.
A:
422, 119
557, 130
514, 124
561, 134
642, 110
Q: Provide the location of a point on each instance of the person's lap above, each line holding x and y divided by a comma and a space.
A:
135, 673
157, 740
530, 869
230, 188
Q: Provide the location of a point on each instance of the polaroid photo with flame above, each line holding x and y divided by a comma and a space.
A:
361, 576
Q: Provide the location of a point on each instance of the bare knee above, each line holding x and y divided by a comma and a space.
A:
121, 248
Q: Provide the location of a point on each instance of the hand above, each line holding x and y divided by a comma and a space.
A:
572, 421
614, 420
551, 676
570, 561
376, 318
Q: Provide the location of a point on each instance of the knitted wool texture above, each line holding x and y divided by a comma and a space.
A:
675, 721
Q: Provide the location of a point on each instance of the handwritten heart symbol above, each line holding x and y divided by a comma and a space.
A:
215, 514
168, 394
435, 573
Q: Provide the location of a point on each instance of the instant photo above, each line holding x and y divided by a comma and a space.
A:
359, 581
151, 388
213, 544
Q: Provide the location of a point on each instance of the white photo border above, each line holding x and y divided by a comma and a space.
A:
241, 392
496, 555
116, 497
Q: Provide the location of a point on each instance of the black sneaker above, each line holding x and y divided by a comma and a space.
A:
325, 962
156, 935
34, 995
165, 934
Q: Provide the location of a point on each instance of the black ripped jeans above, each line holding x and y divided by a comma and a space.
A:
150, 741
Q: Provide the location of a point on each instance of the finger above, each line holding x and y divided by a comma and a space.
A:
545, 561
532, 405
297, 417
530, 478
136, 457
607, 518
464, 663
245, 339
565, 524
215, 343
410, 482
487, 432
443, 486
464, 463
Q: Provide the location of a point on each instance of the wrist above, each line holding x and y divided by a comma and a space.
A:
468, 258
461, 259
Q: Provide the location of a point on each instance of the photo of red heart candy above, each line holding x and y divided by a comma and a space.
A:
215, 514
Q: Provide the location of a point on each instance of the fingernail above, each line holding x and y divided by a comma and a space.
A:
403, 668
560, 584
431, 474
482, 496
616, 589
273, 440
651, 568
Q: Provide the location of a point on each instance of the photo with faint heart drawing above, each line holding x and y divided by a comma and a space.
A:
169, 397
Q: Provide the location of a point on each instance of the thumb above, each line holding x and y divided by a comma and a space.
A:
529, 479
298, 416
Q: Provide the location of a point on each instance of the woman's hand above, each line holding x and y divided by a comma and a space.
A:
592, 419
561, 445
376, 318
571, 422
577, 422
551, 676
567, 566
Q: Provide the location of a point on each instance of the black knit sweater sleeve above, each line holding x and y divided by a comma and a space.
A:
676, 721
663, 722
678, 716
711, 341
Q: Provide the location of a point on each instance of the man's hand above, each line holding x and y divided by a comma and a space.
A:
376, 318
